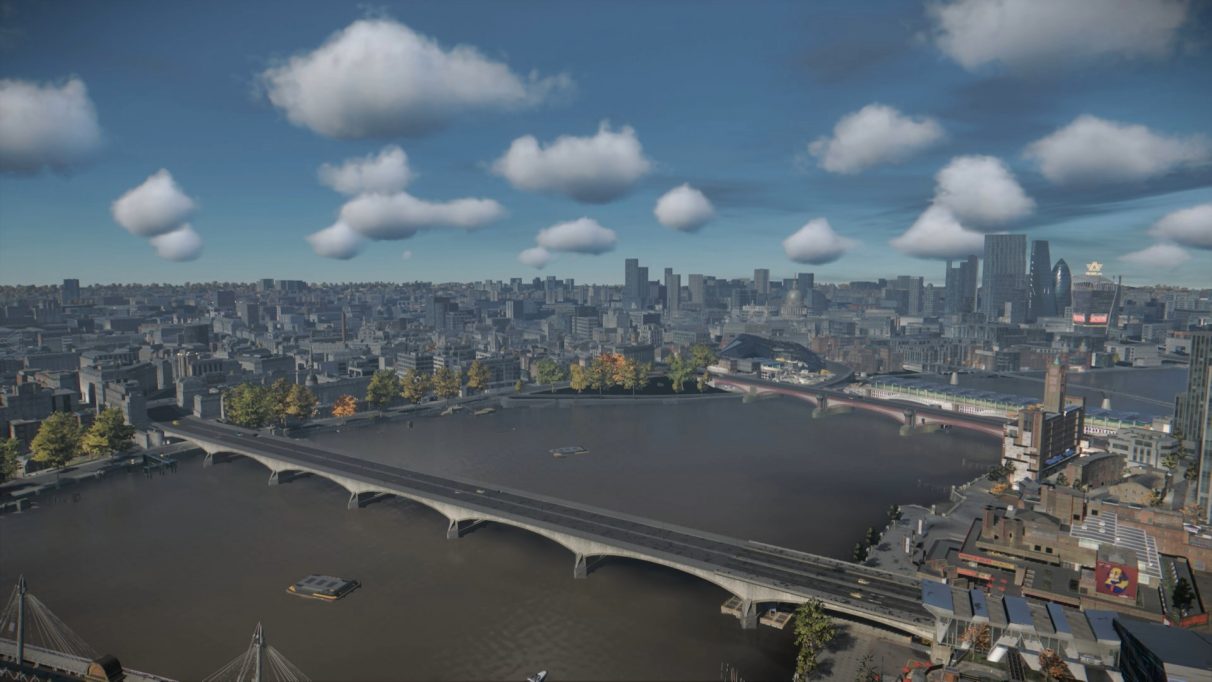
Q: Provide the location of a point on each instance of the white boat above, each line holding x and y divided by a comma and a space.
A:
537, 677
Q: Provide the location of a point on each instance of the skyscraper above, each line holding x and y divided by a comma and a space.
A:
1062, 286
673, 291
1193, 416
805, 282
1041, 302
1004, 278
961, 286
698, 289
761, 281
631, 283
71, 291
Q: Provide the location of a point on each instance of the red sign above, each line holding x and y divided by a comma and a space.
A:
1117, 580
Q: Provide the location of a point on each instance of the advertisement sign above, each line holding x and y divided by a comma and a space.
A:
1117, 580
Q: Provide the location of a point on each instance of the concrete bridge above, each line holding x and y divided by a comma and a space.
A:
826, 399
759, 575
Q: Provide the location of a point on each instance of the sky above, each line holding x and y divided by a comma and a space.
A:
459, 141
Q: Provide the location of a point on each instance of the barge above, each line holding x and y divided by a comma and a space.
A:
323, 587
568, 450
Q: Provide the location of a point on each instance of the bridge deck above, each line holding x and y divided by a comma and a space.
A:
884, 596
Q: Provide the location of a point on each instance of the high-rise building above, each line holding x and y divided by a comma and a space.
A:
761, 281
673, 290
631, 283
1041, 300
1193, 416
805, 282
1062, 287
645, 289
1004, 279
71, 291
961, 286
1054, 387
698, 289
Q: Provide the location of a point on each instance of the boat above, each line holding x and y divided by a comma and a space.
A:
537, 677
568, 450
323, 587
484, 410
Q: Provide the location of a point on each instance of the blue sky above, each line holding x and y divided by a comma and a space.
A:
725, 97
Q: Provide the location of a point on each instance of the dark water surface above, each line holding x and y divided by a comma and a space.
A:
172, 573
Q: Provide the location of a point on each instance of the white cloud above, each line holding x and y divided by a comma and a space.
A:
535, 257
153, 208
583, 235
1189, 227
406, 255
1092, 149
1158, 256
937, 234
46, 126
379, 78
816, 243
981, 192
401, 215
592, 170
182, 244
873, 135
384, 173
336, 241
684, 208
1049, 33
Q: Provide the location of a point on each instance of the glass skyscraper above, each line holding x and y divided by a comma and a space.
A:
1004, 278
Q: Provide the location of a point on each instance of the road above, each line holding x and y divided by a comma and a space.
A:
880, 593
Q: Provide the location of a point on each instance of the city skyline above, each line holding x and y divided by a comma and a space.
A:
557, 155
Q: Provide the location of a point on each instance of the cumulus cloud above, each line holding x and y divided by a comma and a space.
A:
536, 257
593, 170
1092, 149
684, 208
182, 244
401, 215
1189, 227
981, 192
1029, 34
384, 173
816, 243
338, 241
937, 234
1158, 256
46, 126
153, 208
583, 235
379, 78
873, 135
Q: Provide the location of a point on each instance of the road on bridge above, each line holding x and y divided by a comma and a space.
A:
883, 595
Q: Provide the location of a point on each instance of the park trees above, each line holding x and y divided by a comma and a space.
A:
415, 386
635, 375
446, 382
10, 449
702, 356
578, 377
601, 372
679, 371
345, 406
478, 376
109, 434
814, 630
250, 405
300, 402
58, 439
548, 371
383, 388
279, 399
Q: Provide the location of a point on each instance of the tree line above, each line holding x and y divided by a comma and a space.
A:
61, 438
615, 370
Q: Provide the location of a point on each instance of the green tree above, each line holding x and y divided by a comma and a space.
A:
548, 371
58, 439
446, 382
867, 670
249, 405
383, 388
279, 399
1183, 596
702, 357
10, 449
301, 402
415, 386
635, 375
518, 386
814, 630
478, 376
578, 377
871, 536
1062, 480
859, 553
109, 434
679, 371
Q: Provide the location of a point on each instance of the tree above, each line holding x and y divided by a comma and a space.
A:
279, 399
415, 386
979, 636
578, 377
10, 449
383, 388
1062, 480
859, 553
871, 536
632, 375
703, 357
601, 372
345, 406
109, 434
249, 405
1170, 462
814, 630
301, 402
446, 382
518, 386
867, 672
1053, 667
478, 376
1182, 596
679, 371
58, 439
548, 371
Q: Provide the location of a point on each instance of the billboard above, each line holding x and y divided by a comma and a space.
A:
1116, 580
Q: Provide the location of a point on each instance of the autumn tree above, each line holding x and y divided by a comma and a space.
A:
109, 434
345, 406
578, 377
301, 402
383, 388
601, 372
415, 386
548, 371
446, 382
58, 439
478, 376
10, 450
814, 630
1053, 666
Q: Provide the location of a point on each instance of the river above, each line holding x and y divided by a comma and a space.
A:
172, 572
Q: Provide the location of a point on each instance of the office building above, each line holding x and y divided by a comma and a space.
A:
761, 281
960, 290
673, 291
1193, 416
1041, 299
631, 283
71, 291
805, 282
1003, 282
698, 289
1062, 287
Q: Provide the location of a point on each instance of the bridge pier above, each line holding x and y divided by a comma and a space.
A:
580, 570
749, 615
273, 478
354, 502
456, 529
208, 460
